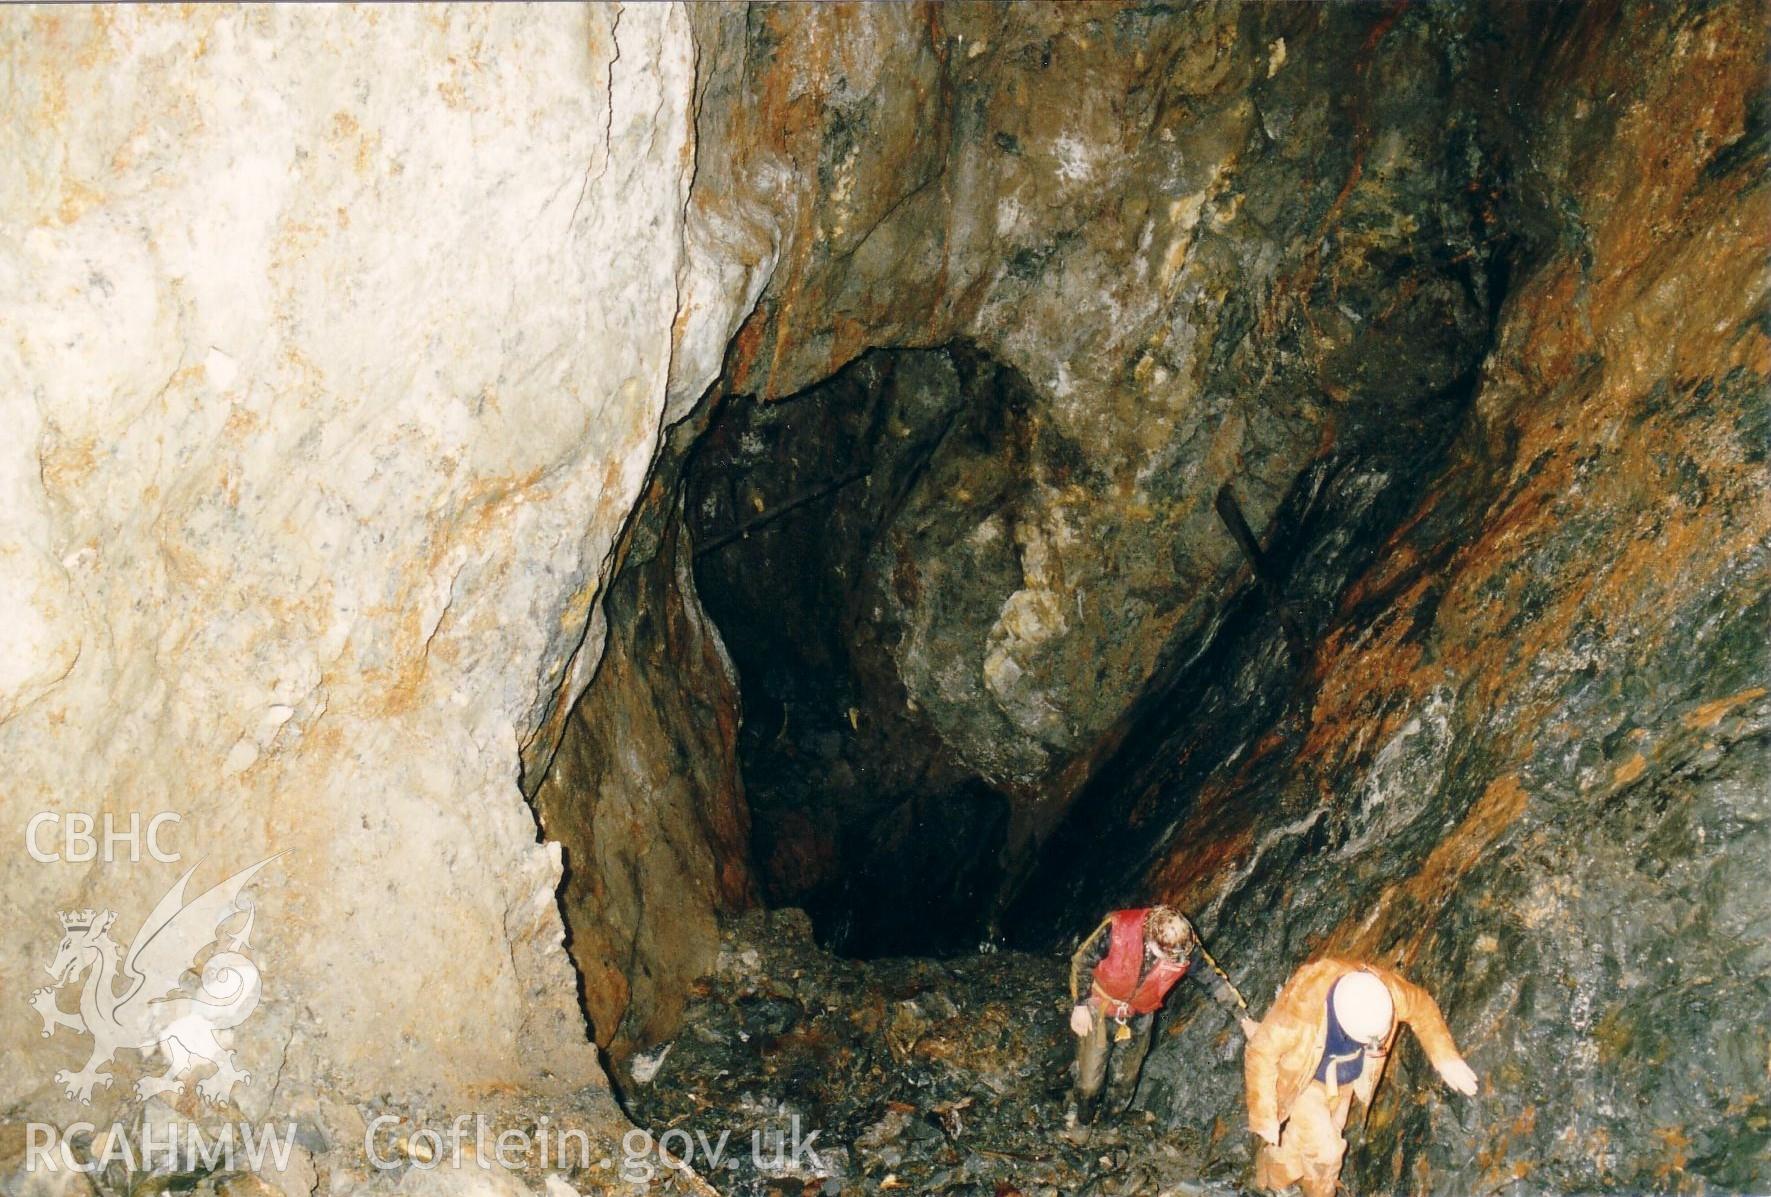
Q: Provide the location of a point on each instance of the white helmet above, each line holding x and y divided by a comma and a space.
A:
1363, 1007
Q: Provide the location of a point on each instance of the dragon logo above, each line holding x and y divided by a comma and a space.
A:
160, 998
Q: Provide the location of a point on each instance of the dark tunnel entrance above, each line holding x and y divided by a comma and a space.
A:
991, 632
844, 548
809, 517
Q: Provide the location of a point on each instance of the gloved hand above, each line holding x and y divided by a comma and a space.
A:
1460, 1076
1082, 1020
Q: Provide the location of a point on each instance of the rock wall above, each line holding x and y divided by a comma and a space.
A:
337, 348
644, 793
1529, 762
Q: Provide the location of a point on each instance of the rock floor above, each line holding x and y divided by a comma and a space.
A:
917, 1075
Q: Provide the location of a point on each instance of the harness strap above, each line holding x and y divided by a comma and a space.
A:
1112, 1007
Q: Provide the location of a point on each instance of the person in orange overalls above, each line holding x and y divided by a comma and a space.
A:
1132, 959
1325, 1042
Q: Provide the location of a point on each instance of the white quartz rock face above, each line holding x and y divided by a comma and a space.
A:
334, 348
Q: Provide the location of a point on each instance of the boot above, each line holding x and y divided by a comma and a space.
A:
1082, 1111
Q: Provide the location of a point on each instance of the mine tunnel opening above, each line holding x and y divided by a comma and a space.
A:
942, 646
944, 655
989, 643
858, 542
815, 520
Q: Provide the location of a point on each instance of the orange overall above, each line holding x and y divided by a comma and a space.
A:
1281, 1063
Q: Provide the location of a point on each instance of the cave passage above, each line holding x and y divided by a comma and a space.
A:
1372, 573
809, 516
837, 535
992, 634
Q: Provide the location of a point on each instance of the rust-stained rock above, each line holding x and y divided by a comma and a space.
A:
1528, 759
644, 794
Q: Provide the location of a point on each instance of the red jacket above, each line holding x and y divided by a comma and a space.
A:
1121, 985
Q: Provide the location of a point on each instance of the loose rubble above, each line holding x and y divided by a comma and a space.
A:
900, 1075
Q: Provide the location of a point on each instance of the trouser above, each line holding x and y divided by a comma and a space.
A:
1310, 1145
1101, 1059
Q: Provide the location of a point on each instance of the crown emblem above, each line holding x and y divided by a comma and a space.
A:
78, 920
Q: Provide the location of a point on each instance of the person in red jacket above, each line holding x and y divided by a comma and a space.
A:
1132, 960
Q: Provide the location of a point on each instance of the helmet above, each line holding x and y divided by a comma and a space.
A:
1170, 929
1363, 1007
